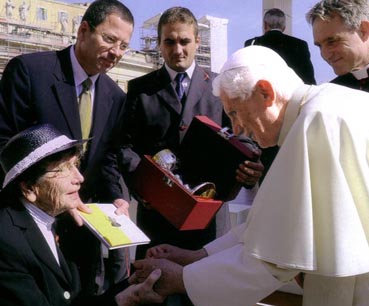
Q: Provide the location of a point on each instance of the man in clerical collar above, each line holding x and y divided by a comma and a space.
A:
341, 31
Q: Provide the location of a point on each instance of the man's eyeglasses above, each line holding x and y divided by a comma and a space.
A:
65, 169
111, 41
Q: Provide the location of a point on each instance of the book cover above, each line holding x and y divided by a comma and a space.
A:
112, 230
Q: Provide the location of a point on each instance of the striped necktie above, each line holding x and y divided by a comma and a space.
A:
179, 86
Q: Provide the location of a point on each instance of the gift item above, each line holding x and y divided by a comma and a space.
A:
167, 160
209, 153
188, 187
163, 192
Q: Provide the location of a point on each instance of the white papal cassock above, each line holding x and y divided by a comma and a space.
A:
311, 213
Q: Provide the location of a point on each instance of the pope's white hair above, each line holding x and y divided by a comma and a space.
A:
247, 66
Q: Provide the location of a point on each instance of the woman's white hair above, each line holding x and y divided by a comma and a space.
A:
247, 66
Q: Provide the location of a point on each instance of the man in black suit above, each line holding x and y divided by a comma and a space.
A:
341, 31
45, 87
157, 118
293, 50
42, 181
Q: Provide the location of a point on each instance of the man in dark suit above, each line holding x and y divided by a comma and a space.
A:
157, 118
45, 88
341, 31
42, 181
293, 50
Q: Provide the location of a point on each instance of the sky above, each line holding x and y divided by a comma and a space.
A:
244, 21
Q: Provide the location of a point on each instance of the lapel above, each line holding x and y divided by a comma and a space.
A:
199, 85
102, 108
66, 96
65, 92
38, 244
64, 266
166, 92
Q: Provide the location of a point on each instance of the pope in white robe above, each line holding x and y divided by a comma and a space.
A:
311, 214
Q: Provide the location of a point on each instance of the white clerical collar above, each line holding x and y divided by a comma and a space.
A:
361, 73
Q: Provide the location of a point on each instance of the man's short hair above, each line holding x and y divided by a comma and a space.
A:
99, 10
275, 19
177, 14
352, 12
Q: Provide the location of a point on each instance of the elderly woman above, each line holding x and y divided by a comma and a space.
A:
42, 181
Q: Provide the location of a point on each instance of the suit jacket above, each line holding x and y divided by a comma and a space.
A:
154, 118
349, 80
40, 88
154, 121
293, 50
29, 273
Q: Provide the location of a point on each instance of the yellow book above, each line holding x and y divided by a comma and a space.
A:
112, 230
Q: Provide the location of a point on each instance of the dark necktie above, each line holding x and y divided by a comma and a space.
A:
179, 86
364, 83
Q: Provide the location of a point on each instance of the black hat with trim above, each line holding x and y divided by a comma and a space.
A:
31, 146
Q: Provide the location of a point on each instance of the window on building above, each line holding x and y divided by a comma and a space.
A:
41, 14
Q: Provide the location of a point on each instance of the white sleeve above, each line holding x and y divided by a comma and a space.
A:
232, 277
233, 237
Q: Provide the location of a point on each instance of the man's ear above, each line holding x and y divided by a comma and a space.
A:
364, 30
265, 27
197, 41
82, 29
28, 192
266, 90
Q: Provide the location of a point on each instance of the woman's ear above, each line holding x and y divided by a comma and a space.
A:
267, 91
28, 192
